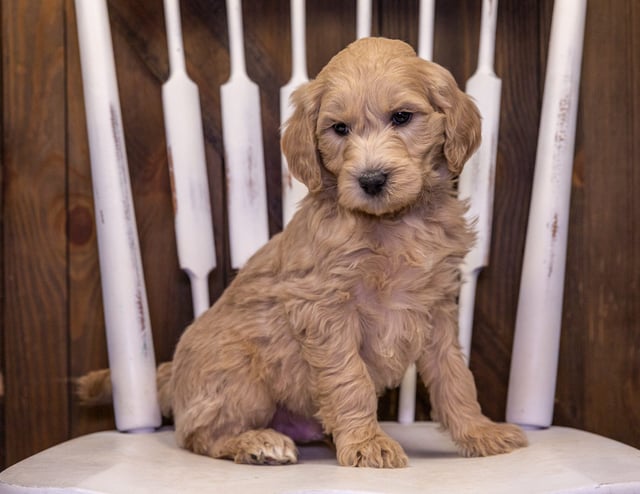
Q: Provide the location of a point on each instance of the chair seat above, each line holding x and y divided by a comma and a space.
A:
557, 460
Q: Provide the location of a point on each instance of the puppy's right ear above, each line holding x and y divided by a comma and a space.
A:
299, 142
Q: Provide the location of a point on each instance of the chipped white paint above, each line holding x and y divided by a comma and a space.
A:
188, 167
363, 19
244, 155
408, 387
477, 178
537, 338
293, 191
130, 345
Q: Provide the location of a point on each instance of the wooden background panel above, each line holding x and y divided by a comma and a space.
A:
331, 25
45, 150
600, 370
34, 236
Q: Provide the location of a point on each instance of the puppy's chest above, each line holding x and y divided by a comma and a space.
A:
390, 291
391, 298
392, 272
389, 282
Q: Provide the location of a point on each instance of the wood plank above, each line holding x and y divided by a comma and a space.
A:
456, 34
35, 306
607, 256
331, 25
397, 19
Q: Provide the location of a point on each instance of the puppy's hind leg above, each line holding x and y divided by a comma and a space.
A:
454, 397
234, 426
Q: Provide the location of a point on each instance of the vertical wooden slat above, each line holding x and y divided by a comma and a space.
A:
87, 345
207, 64
35, 284
517, 62
532, 382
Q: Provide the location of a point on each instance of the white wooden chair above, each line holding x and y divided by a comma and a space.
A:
147, 460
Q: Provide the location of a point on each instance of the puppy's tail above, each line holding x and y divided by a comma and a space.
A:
95, 388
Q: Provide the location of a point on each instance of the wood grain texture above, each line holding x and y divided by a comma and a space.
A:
601, 339
52, 321
35, 258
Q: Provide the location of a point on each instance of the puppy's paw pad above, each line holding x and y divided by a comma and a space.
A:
492, 439
266, 447
379, 452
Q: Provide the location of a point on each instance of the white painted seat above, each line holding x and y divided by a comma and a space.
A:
558, 460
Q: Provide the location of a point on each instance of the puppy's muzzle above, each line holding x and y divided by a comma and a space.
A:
373, 182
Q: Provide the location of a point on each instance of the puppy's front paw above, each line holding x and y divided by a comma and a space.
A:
264, 447
489, 438
379, 452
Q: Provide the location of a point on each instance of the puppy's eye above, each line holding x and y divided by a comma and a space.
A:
340, 128
401, 118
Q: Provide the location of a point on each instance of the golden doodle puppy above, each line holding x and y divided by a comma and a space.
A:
361, 283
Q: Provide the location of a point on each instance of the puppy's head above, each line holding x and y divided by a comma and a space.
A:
379, 124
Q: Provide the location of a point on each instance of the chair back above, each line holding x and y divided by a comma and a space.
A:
131, 355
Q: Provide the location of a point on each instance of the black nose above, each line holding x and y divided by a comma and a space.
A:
373, 182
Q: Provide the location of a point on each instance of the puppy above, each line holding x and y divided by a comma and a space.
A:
361, 283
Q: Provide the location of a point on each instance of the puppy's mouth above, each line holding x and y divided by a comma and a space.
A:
377, 191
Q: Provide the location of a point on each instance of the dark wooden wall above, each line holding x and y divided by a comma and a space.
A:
51, 313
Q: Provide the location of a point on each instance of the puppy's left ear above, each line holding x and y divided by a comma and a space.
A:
462, 125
